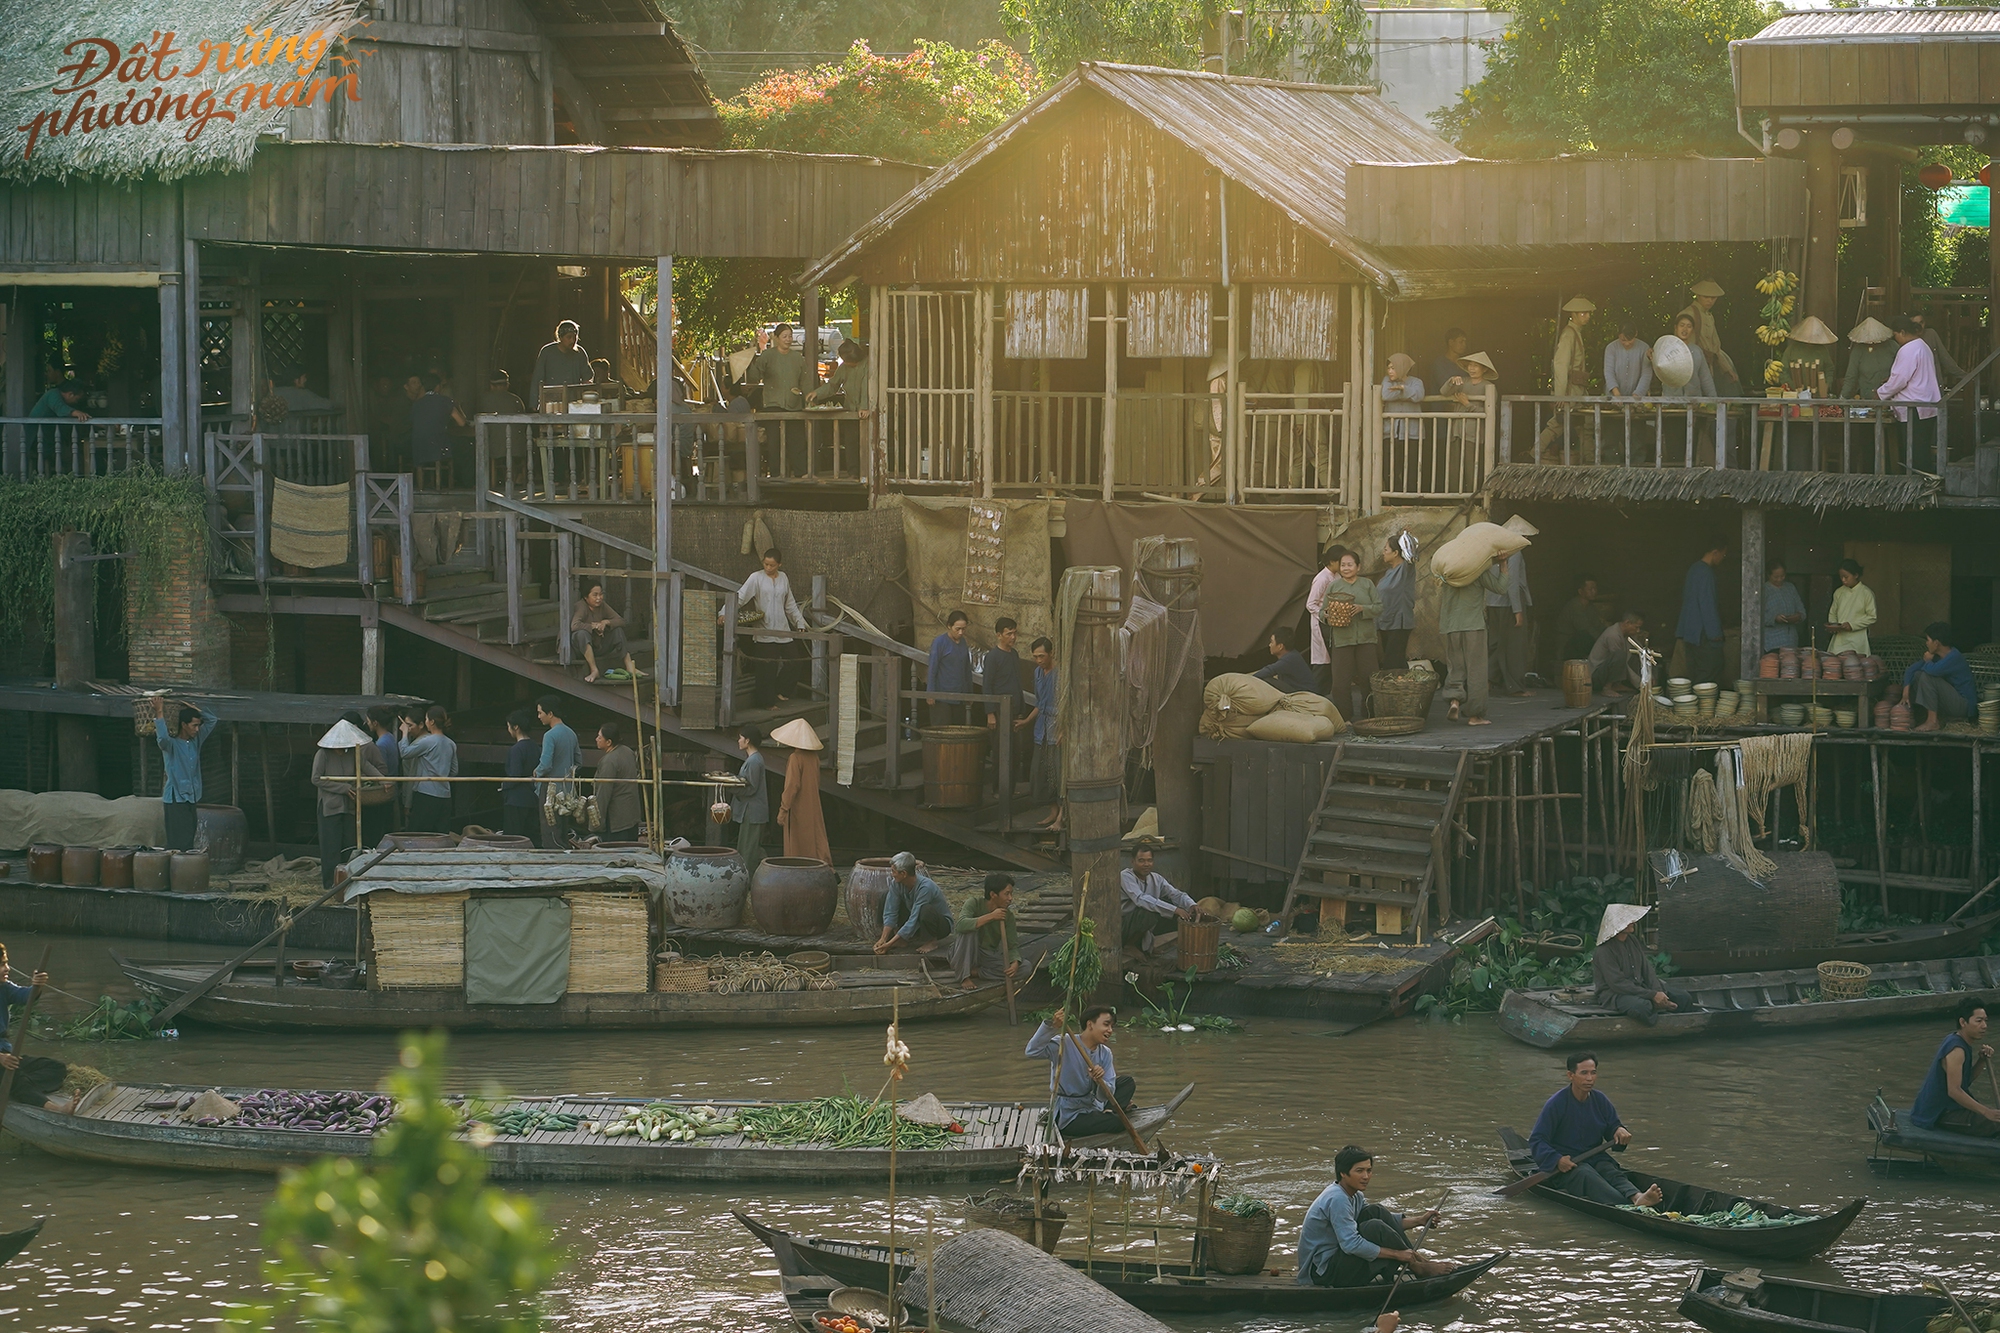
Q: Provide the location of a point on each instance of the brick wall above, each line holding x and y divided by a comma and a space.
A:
180, 638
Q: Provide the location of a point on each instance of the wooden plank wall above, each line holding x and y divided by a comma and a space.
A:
89, 225
582, 202
1937, 71
1257, 799
1577, 201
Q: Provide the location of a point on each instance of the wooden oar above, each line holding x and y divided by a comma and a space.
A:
285, 923
27, 1013
1526, 1183
1005, 974
1110, 1093
1415, 1246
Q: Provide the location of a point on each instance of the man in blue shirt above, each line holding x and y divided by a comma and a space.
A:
1700, 625
37, 1079
915, 912
1945, 1101
1349, 1242
180, 784
558, 762
751, 807
1940, 682
1045, 773
950, 671
1079, 1068
1574, 1121
1289, 672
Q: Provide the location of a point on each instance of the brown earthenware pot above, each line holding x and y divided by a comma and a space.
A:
114, 870
152, 869
79, 865
867, 886
45, 863
794, 895
189, 872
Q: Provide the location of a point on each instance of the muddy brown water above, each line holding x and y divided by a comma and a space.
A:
1777, 1118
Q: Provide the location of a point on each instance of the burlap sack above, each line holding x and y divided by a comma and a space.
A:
1240, 692
1313, 705
1465, 557
1218, 725
1283, 724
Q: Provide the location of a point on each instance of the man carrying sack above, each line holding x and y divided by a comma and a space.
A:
1469, 566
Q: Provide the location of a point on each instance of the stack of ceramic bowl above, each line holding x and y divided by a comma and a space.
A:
1852, 667
1788, 664
1900, 717
1792, 715
1871, 667
1686, 708
1822, 717
1726, 703
1882, 707
1767, 666
1705, 695
1677, 686
1843, 717
1989, 716
1831, 667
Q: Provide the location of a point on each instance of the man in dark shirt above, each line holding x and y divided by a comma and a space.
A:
1447, 367
1001, 679
1580, 622
431, 418
499, 399
1574, 1121
1289, 672
560, 363
519, 812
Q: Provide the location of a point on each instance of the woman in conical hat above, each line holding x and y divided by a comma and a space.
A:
1625, 977
1868, 365
345, 750
799, 809
1814, 346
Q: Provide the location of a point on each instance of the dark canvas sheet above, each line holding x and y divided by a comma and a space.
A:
516, 950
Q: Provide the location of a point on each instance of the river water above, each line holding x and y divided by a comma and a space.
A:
1770, 1117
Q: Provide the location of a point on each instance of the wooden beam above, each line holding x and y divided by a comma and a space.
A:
607, 29
442, 34
660, 113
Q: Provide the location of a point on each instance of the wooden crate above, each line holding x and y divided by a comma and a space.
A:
608, 946
419, 938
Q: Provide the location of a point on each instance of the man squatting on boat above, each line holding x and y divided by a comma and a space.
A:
1574, 1121
1945, 1101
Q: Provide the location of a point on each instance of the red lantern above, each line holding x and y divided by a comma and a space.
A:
1934, 175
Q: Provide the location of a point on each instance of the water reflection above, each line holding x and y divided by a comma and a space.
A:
1775, 1118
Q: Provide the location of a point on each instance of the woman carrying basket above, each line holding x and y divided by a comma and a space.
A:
1350, 609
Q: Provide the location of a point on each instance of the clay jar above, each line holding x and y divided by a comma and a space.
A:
79, 865
114, 869
45, 863
189, 872
706, 887
152, 869
495, 842
794, 895
867, 885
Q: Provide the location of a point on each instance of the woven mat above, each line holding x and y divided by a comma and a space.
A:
1328, 956
419, 938
310, 525
607, 943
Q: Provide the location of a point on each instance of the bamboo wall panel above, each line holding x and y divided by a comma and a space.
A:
1169, 320
1293, 323
1882, 57
89, 224
1051, 322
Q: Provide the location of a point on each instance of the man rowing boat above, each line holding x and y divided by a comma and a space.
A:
1574, 1121
1945, 1101
1080, 1068
37, 1081
1350, 1242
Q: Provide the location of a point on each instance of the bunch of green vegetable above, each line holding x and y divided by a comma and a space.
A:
1964, 1316
1077, 966
839, 1122
520, 1120
658, 1121
108, 1020
1242, 1205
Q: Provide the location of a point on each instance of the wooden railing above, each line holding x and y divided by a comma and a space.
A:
1434, 456
32, 447
1048, 440
1171, 442
928, 436
1293, 445
239, 469
1859, 437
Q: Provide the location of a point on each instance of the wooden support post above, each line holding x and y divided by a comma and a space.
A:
820, 647
191, 343
1370, 499
982, 394
75, 634
1514, 828
1879, 771
666, 468
1093, 755
371, 659
1174, 581
1110, 392
1232, 397
1752, 646
1821, 296
173, 377
512, 527
270, 800
565, 555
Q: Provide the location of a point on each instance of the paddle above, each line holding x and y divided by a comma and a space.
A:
27, 1013
1415, 1246
1007, 970
285, 923
1526, 1183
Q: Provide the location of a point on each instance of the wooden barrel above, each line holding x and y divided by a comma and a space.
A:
1576, 683
1198, 943
952, 760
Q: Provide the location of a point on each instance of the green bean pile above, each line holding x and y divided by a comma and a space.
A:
840, 1122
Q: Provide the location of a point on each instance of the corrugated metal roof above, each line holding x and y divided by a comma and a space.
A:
1880, 24
1289, 143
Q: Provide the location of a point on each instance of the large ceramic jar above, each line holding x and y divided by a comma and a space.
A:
794, 895
114, 871
706, 887
867, 885
45, 863
189, 872
152, 869
222, 832
79, 865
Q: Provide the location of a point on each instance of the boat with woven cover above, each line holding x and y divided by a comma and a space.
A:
1754, 1302
149, 1125
1739, 1002
1789, 1233
1164, 1288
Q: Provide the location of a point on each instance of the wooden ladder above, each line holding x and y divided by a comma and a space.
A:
1379, 835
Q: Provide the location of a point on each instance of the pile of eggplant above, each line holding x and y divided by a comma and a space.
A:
324, 1112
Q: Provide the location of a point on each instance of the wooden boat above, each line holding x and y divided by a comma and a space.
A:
1795, 1241
1900, 944
13, 1242
227, 919
1739, 1002
1956, 1152
136, 1125
1154, 1288
1785, 1305
250, 998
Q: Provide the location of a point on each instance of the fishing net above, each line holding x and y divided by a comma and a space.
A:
1162, 633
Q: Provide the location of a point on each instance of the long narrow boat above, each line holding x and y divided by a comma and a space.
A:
143, 1125
251, 999
1738, 1002
1955, 1152
1795, 1240
1766, 1304
13, 1242
1165, 1288
229, 919
1897, 944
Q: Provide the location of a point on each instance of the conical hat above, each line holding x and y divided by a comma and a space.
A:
1706, 287
1870, 331
1521, 527
1617, 917
797, 735
1482, 359
1812, 330
1672, 361
344, 735
1577, 304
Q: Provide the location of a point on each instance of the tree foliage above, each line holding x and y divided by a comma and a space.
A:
1318, 41
415, 1241
143, 514
1608, 77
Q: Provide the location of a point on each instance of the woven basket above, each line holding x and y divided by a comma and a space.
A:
1402, 693
1041, 1232
1238, 1244
1843, 981
1339, 614
677, 975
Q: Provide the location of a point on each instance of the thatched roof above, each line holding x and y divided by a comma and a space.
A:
1683, 485
32, 54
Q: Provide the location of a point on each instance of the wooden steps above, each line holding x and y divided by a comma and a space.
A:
1377, 835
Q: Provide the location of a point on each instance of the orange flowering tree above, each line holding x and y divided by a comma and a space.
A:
925, 107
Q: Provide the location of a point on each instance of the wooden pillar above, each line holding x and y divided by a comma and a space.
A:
371, 659
1751, 638
1174, 579
191, 335
76, 656
1370, 499
173, 347
1093, 755
1353, 416
982, 410
246, 366
1822, 275
809, 317
666, 459
21, 380
1232, 411
1110, 391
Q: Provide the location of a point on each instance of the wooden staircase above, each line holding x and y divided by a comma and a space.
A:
1378, 835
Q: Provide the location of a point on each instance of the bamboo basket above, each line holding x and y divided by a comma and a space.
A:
673, 974
607, 943
1238, 1244
1199, 944
1576, 683
142, 713
1339, 614
1402, 693
419, 938
1843, 981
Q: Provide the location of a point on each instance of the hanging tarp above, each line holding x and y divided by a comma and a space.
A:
936, 536
516, 950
